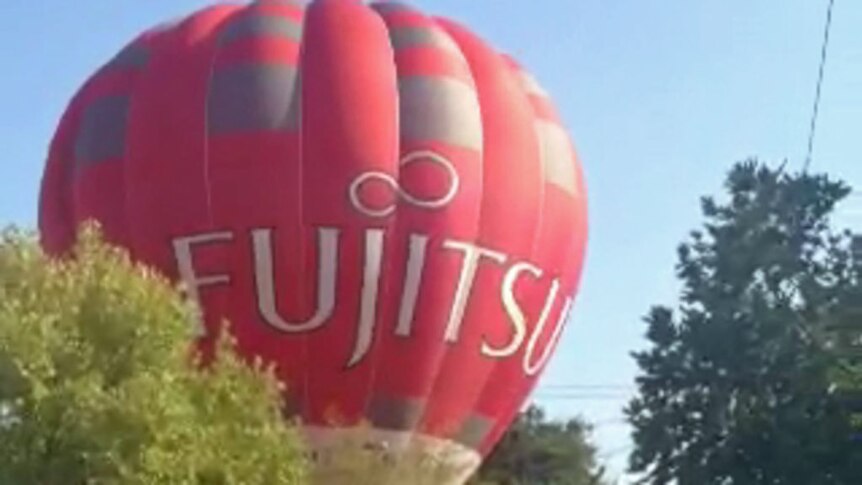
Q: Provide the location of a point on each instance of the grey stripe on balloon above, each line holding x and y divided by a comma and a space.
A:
256, 25
399, 414
385, 7
406, 37
532, 85
435, 108
134, 56
557, 156
253, 97
474, 431
292, 3
102, 132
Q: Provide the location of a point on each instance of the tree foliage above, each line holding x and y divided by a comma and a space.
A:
98, 384
745, 383
537, 451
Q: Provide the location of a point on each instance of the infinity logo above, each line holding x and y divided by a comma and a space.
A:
434, 203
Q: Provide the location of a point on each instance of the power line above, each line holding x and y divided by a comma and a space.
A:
604, 423
823, 55
585, 392
615, 451
581, 397
556, 387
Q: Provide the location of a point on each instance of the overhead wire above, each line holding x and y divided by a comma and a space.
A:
612, 452
824, 52
585, 386
583, 397
584, 392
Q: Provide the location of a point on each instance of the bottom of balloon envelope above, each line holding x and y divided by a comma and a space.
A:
385, 457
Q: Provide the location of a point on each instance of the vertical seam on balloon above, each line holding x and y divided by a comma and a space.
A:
226, 254
542, 179
206, 136
534, 249
125, 163
303, 401
124, 168
154, 38
305, 404
486, 379
481, 190
211, 41
386, 284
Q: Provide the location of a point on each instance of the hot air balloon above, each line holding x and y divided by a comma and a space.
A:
381, 204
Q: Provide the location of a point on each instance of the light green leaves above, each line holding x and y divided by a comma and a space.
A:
98, 384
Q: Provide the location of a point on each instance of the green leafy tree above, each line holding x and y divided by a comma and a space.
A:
538, 451
98, 384
745, 383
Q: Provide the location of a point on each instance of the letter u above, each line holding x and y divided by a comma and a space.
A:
265, 281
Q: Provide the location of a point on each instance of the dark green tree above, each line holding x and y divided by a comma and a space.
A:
844, 340
746, 382
538, 451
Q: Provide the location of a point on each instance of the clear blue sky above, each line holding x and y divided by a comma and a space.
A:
660, 96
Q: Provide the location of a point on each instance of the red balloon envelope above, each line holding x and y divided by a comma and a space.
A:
381, 204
